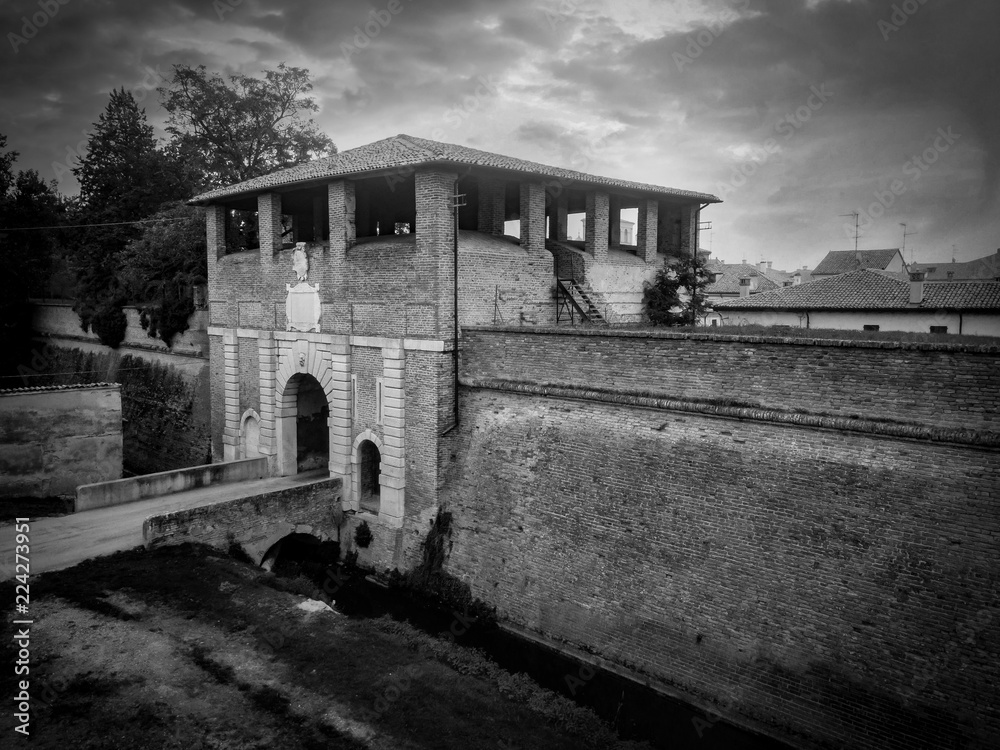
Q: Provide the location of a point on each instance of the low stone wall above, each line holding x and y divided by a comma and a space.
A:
254, 523
56, 318
53, 439
103, 494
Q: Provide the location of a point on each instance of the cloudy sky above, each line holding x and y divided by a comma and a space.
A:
792, 111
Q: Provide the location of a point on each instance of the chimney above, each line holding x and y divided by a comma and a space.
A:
769, 264
762, 266
917, 287
744, 287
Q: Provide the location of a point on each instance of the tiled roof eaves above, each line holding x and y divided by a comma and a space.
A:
426, 153
44, 388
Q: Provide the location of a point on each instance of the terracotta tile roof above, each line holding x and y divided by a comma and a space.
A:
729, 282
404, 151
43, 388
845, 261
987, 268
866, 289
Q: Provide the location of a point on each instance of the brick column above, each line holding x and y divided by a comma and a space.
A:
317, 222
267, 357
342, 205
689, 229
614, 222
341, 417
559, 218
435, 241
597, 225
215, 230
491, 205
269, 224
533, 217
393, 469
645, 230
231, 432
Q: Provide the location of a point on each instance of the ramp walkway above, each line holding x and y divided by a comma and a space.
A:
57, 543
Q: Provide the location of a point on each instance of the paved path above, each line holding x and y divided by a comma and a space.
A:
64, 541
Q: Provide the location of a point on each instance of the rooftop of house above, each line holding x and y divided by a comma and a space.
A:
986, 268
867, 289
729, 274
845, 261
45, 388
407, 152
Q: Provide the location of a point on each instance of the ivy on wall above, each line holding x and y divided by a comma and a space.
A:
164, 418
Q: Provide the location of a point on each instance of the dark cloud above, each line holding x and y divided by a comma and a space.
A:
687, 94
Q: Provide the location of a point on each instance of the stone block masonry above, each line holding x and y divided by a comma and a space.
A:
53, 439
255, 523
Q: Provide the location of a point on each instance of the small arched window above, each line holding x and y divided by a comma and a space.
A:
370, 461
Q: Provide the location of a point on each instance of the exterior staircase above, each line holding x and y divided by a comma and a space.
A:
575, 298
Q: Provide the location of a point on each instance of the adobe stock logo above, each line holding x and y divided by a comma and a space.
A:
900, 15
705, 38
915, 169
30, 26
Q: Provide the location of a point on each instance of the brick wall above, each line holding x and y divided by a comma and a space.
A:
504, 281
831, 589
942, 386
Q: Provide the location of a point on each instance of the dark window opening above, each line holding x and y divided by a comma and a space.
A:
871, 328
370, 460
312, 431
939, 329
242, 232
381, 204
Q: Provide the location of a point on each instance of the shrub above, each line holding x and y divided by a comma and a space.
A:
363, 535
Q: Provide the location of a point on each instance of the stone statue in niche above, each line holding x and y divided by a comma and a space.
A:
302, 304
300, 261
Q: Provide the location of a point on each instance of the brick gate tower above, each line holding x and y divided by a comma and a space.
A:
336, 303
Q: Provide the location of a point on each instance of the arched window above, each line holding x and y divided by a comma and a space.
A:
370, 460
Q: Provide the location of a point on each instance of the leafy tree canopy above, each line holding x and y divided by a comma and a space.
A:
25, 256
244, 127
662, 298
161, 267
693, 277
124, 177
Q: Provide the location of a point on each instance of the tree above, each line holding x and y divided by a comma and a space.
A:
161, 267
124, 177
693, 277
246, 127
662, 298
27, 204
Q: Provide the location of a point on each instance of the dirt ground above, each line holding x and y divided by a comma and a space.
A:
187, 648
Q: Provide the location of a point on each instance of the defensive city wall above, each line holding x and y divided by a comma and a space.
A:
800, 535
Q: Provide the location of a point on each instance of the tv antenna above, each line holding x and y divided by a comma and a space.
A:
857, 219
905, 235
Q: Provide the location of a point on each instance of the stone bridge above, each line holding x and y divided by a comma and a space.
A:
255, 523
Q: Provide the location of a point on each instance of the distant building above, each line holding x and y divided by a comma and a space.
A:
981, 269
802, 276
845, 261
873, 300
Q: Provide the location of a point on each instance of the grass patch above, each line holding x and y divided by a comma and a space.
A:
388, 675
